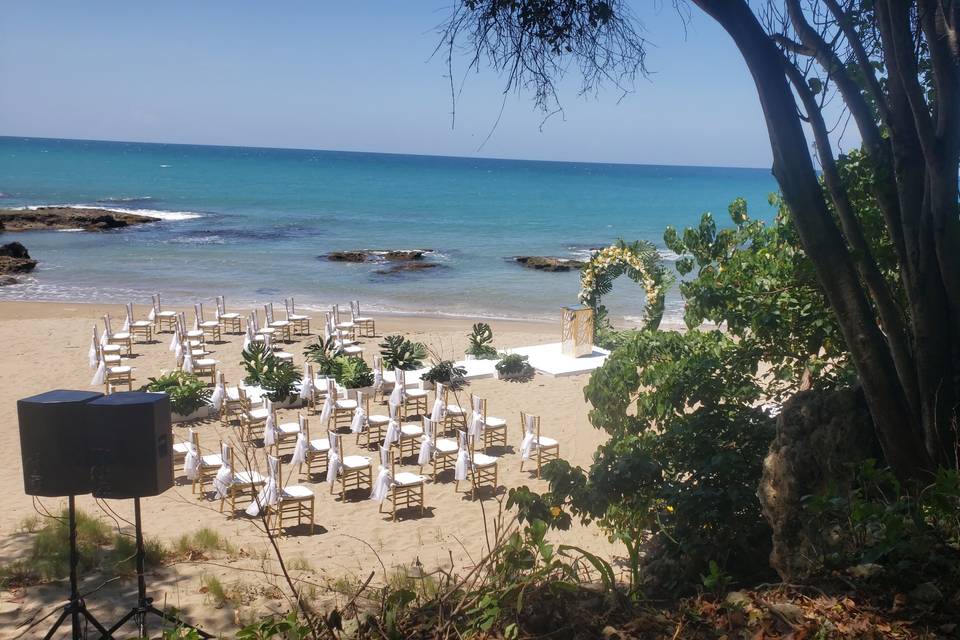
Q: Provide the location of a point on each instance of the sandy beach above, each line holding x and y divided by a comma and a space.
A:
46, 347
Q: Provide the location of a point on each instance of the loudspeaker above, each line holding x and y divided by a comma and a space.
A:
131, 448
53, 443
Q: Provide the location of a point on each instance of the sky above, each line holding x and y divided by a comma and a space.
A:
355, 76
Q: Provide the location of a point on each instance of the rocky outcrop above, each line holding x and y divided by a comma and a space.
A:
14, 258
818, 434
377, 255
68, 218
549, 263
406, 267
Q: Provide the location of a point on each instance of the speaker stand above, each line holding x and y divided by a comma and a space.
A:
75, 609
144, 604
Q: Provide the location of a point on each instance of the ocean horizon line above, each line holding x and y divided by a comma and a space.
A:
387, 153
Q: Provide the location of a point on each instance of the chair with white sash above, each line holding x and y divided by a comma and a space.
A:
163, 320
365, 326
312, 452
488, 430
293, 502
226, 401
534, 445
111, 376
316, 392
341, 340
454, 416
412, 400
282, 326
440, 452
141, 328
299, 322
376, 423
353, 472
200, 468
286, 434
477, 468
345, 326
408, 441
343, 407
229, 321
210, 328
121, 338
404, 490
109, 353
233, 485
259, 332
253, 419
195, 336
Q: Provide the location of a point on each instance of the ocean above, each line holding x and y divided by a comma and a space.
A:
254, 224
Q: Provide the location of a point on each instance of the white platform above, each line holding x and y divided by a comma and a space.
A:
549, 359
476, 369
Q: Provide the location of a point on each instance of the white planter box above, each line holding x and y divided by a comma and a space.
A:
367, 392
199, 414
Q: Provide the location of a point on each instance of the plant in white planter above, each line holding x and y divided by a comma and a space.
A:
447, 373
402, 353
514, 366
278, 378
189, 396
352, 374
481, 343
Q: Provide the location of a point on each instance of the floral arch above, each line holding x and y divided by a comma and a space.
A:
640, 262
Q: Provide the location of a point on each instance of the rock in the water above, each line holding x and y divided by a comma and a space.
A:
14, 258
7, 280
405, 267
68, 218
347, 256
377, 255
405, 254
819, 433
549, 263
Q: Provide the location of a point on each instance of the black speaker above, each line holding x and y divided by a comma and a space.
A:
131, 449
53, 443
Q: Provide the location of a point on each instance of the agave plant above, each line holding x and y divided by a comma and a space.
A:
400, 353
480, 342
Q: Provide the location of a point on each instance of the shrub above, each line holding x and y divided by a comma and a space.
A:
481, 339
324, 354
514, 366
447, 373
187, 392
352, 373
277, 377
400, 353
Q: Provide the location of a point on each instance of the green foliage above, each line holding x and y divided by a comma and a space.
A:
915, 534
514, 366
277, 377
288, 628
447, 373
481, 342
352, 373
401, 353
187, 392
201, 542
757, 280
717, 580
324, 354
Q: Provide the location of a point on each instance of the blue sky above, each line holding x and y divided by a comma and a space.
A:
352, 76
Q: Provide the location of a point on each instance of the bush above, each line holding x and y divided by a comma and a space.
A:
187, 392
324, 354
277, 377
447, 373
481, 339
400, 353
352, 373
514, 366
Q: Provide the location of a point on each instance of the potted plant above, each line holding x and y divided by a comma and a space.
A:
278, 379
513, 366
481, 343
353, 374
447, 373
324, 354
189, 396
400, 353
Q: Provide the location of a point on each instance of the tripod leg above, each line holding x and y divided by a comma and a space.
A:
169, 617
56, 625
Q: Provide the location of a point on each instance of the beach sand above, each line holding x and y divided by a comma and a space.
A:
45, 347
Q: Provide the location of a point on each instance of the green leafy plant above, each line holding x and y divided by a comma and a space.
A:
324, 354
447, 373
481, 339
187, 392
289, 628
278, 378
352, 373
514, 366
401, 353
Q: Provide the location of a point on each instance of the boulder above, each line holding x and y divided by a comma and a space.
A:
548, 263
819, 433
347, 256
14, 258
88, 219
14, 250
405, 267
377, 255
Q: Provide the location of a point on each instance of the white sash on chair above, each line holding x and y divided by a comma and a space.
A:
359, 421
333, 461
300, 451
270, 492
100, 375
224, 478
463, 458
381, 486
426, 443
529, 436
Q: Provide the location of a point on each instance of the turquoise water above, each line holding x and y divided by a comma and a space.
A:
250, 223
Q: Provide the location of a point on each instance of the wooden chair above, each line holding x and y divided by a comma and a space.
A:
206, 466
345, 326
294, 502
163, 320
259, 332
229, 321
121, 338
142, 328
282, 327
230, 408
109, 353
299, 323
252, 419
535, 445
210, 328
491, 430
343, 408
414, 401
286, 435
234, 486
454, 416
353, 472
408, 443
376, 424
317, 456
111, 376
477, 468
444, 451
405, 489
365, 326
321, 387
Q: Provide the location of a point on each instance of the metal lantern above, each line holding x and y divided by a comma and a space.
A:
576, 331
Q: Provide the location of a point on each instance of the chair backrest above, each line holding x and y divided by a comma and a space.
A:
428, 428
156, 302
335, 445
195, 440
355, 307
305, 428
268, 312
273, 469
106, 324
479, 405
226, 454
221, 304
465, 443
130, 311
255, 320
530, 422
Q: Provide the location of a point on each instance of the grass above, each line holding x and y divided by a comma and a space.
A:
202, 542
299, 564
215, 589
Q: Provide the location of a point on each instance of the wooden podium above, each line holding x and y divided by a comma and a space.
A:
576, 331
